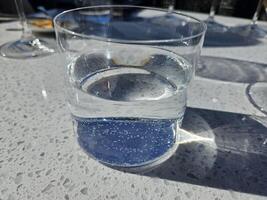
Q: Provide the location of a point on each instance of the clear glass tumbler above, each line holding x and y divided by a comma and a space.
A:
127, 70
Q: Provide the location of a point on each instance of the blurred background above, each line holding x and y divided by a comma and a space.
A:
236, 8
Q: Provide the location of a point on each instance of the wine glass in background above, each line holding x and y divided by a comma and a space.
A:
169, 4
265, 11
212, 25
255, 28
252, 29
28, 45
83, 3
265, 6
257, 95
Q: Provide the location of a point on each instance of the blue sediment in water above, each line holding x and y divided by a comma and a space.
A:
125, 142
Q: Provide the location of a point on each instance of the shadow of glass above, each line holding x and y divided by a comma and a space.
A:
231, 70
232, 156
227, 38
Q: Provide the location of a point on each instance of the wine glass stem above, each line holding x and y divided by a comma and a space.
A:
26, 31
257, 12
213, 7
171, 6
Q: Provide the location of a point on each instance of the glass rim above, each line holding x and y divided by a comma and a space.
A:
60, 28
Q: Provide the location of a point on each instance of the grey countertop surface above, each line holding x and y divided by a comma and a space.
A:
40, 158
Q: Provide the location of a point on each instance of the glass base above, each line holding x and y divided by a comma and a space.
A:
145, 167
250, 31
26, 48
256, 93
127, 145
213, 26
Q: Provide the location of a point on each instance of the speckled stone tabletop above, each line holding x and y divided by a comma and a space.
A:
40, 158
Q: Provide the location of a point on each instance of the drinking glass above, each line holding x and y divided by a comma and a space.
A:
252, 29
28, 45
127, 70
